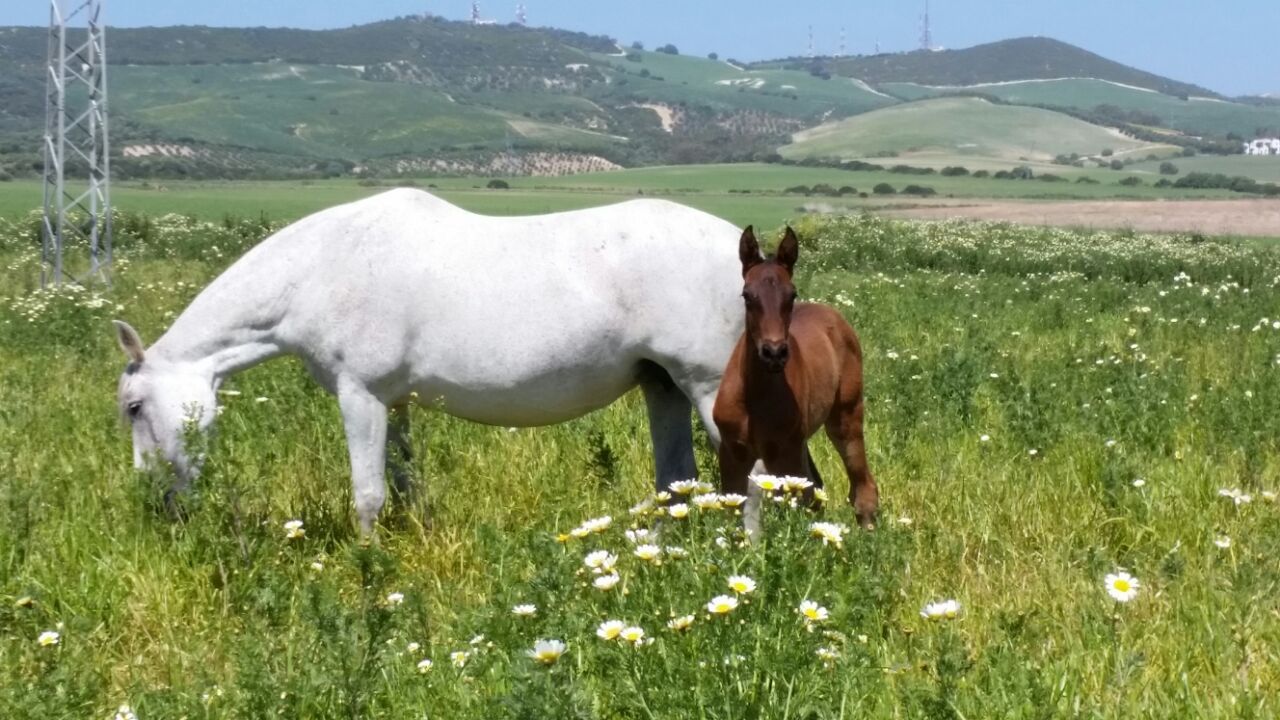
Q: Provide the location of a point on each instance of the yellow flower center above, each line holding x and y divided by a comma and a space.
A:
1122, 585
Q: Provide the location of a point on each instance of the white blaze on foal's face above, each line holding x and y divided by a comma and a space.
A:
161, 401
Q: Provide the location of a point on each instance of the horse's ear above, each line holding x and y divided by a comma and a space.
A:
130, 341
749, 250
788, 250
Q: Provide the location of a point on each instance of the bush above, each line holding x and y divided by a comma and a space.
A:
848, 190
824, 189
1022, 172
1108, 152
1131, 181
797, 190
1164, 183
981, 173
955, 171
884, 189
1116, 165
1086, 180
1003, 175
498, 185
921, 190
669, 49
911, 170
713, 56
1168, 168
1050, 177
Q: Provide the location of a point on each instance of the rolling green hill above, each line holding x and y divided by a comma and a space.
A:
1025, 58
422, 94
959, 128
1194, 115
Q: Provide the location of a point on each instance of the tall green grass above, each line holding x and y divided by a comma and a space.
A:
1020, 385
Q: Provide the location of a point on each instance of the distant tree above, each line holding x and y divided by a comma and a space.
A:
981, 173
1086, 180
713, 56
1116, 165
1131, 181
669, 49
884, 189
1164, 183
637, 45
634, 57
1108, 152
848, 190
798, 190
644, 72
955, 171
1168, 168
496, 184
1022, 172
921, 190
1188, 152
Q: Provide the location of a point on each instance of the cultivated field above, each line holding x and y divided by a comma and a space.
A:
1255, 218
1045, 408
961, 127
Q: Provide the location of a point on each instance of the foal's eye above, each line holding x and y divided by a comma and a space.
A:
134, 408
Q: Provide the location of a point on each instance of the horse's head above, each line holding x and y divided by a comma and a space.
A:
770, 297
166, 403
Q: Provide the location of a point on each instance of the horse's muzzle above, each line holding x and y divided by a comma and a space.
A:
774, 355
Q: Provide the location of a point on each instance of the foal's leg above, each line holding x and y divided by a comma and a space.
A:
670, 430
364, 418
844, 427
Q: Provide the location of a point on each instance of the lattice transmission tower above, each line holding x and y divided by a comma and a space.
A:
77, 167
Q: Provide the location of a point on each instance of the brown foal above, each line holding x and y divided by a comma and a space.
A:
797, 367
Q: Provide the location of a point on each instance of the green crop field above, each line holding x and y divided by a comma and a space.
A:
718, 189
1045, 409
960, 127
1262, 168
1192, 116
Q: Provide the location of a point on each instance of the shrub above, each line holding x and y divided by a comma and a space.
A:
797, 190
669, 49
1050, 177
1164, 183
1131, 181
496, 184
921, 190
848, 190
1168, 168
884, 189
1108, 152
1116, 165
1086, 180
955, 171
981, 173
1022, 172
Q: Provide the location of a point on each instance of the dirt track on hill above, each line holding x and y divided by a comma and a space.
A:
1210, 217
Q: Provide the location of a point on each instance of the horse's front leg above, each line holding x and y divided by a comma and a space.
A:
364, 418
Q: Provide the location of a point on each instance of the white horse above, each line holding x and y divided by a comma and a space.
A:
515, 321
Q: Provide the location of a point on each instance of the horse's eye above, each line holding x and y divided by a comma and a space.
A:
134, 408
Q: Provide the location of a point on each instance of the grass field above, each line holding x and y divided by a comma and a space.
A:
1045, 408
1192, 116
1260, 168
960, 127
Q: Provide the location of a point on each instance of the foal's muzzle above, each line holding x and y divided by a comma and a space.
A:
774, 355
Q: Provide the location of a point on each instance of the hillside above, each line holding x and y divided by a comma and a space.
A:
1027, 58
422, 94
954, 129
1194, 115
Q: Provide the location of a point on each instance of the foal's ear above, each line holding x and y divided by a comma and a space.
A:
749, 250
130, 341
788, 250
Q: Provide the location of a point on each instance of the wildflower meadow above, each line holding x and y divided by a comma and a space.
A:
1076, 436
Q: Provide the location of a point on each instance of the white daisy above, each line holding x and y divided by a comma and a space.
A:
650, 553
293, 530
829, 533
791, 483
633, 634
706, 501
946, 609
722, 604
610, 629
1122, 586
606, 582
678, 511
424, 665
600, 561
547, 651
395, 598
741, 584
681, 623
1223, 542
732, 500
812, 611
524, 610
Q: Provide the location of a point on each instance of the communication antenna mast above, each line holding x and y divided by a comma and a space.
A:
475, 12
521, 17
926, 34
810, 41
77, 168
841, 43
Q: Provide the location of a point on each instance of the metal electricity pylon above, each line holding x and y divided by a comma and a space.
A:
77, 166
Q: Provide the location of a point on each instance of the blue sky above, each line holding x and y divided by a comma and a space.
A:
1226, 45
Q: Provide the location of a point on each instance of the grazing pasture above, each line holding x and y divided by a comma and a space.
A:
1045, 408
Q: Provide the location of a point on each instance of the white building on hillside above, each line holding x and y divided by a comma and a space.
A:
1263, 146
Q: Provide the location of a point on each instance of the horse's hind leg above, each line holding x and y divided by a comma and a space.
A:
844, 427
400, 458
669, 428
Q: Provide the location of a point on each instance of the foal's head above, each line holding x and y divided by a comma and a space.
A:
770, 297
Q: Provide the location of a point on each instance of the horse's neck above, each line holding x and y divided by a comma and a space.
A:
231, 326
